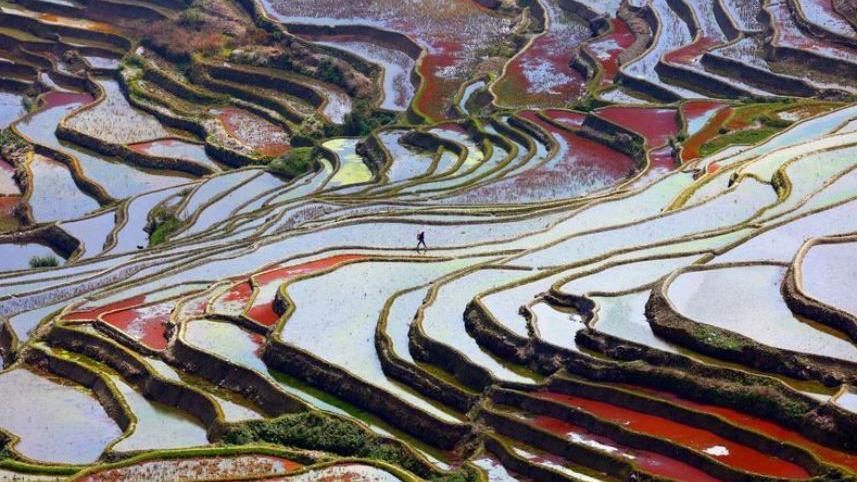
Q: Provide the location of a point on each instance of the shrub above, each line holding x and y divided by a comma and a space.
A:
329, 72
46, 261
293, 163
10, 141
362, 120
162, 228
316, 431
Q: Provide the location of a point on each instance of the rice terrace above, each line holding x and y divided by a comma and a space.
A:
440, 240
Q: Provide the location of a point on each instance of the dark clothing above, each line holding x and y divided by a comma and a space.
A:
421, 241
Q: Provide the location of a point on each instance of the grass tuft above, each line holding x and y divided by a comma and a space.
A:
46, 261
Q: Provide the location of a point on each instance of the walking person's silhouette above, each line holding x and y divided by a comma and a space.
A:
421, 241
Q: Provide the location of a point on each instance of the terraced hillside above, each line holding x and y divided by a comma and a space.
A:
639, 240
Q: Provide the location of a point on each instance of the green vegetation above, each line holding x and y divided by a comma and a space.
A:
329, 72
46, 261
162, 224
294, 163
589, 103
316, 431
362, 120
163, 229
751, 136
9, 141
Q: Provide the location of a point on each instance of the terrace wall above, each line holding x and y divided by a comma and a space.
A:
251, 385
333, 379
768, 80
138, 374
735, 389
671, 325
113, 405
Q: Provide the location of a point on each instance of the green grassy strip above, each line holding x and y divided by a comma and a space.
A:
745, 137
27, 468
293, 163
317, 431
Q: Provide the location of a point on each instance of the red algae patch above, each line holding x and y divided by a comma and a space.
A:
542, 74
584, 153
685, 55
262, 309
752, 422
566, 118
662, 158
145, 324
254, 132
651, 462
57, 99
94, 313
725, 450
703, 124
198, 468
234, 299
452, 33
606, 49
656, 125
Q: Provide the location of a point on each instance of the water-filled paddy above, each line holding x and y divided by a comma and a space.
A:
747, 300
55, 421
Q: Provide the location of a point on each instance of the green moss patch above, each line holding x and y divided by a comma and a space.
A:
294, 163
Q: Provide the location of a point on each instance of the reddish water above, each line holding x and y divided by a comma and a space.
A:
695, 109
656, 125
608, 47
92, 314
7, 204
788, 33
566, 118
584, 153
255, 132
542, 75
686, 55
691, 147
190, 468
262, 310
729, 452
56, 99
238, 293
771, 429
146, 324
651, 462
436, 91
663, 157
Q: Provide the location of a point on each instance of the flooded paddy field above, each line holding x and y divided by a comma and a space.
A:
442, 240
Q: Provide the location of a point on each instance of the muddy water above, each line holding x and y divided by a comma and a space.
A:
729, 452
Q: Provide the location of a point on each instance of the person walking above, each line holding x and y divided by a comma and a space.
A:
421, 241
